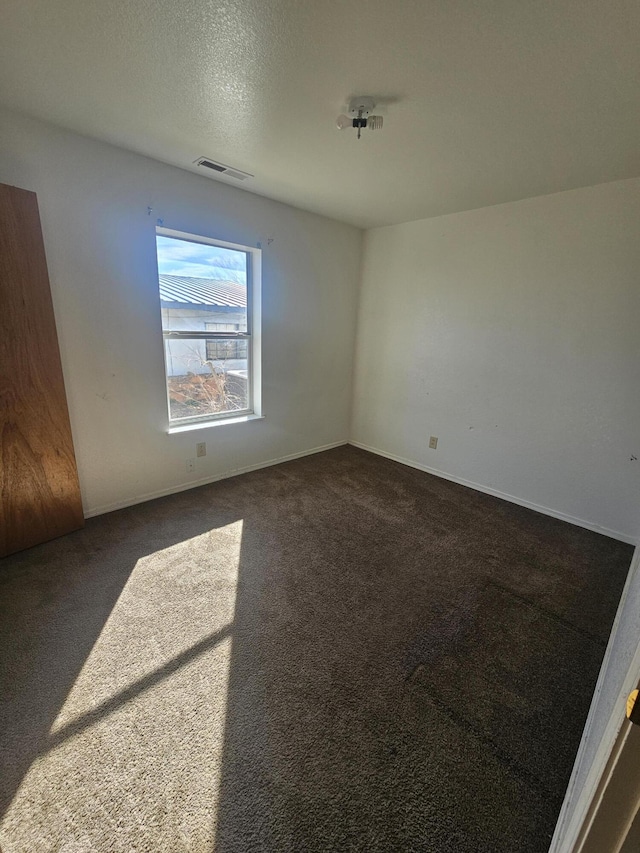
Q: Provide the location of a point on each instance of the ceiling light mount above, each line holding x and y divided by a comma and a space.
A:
360, 109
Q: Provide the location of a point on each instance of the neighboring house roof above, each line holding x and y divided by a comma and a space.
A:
189, 290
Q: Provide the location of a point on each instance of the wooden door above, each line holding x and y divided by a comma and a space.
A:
40, 494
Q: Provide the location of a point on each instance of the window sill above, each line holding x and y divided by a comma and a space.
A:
220, 422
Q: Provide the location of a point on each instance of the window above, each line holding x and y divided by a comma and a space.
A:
225, 349
209, 301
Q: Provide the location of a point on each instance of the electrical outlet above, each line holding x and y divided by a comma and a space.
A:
433, 442
191, 466
201, 448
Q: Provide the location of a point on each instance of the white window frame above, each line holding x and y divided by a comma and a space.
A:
252, 336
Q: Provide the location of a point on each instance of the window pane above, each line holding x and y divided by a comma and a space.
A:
201, 284
226, 349
201, 386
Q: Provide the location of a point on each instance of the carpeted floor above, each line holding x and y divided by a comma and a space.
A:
334, 654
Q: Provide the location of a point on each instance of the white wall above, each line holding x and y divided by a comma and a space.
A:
100, 245
509, 332
513, 334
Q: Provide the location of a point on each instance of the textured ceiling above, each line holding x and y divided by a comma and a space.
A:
484, 101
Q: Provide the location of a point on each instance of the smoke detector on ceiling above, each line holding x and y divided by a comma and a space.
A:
229, 171
360, 109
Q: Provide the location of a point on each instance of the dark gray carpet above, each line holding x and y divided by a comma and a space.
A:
334, 654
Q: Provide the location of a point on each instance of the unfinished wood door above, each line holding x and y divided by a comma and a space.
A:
40, 497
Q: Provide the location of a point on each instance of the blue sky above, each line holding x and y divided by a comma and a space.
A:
180, 257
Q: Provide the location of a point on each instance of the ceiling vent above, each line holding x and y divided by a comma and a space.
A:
206, 163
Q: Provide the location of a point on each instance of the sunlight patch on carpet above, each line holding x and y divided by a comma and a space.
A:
144, 722
174, 599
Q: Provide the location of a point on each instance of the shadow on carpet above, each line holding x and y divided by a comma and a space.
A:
334, 654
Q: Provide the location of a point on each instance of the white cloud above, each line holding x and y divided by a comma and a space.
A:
178, 257
205, 271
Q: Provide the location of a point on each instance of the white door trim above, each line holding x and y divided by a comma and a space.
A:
580, 806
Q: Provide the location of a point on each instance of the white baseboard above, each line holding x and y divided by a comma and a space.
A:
192, 484
496, 493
